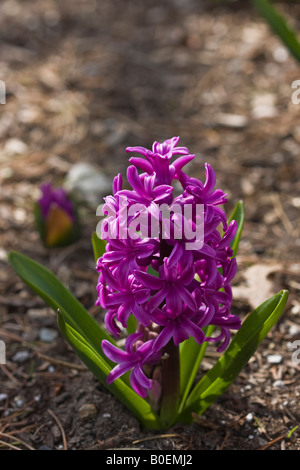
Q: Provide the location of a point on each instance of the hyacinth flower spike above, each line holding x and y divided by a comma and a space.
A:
183, 289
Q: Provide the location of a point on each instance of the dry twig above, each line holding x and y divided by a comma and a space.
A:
159, 436
61, 429
9, 445
59, 362
12, 436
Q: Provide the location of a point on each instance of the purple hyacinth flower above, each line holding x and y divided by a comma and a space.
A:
125, 296
173, 289
131, 359
126, 255
158, 160
144, 189
170, 287
179, 328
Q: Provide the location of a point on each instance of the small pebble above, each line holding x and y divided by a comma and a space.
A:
15, 147
19, 401
41, 314
279, 384
249, 417
87, 411
106, 415
21, 356
232, 120
274, 359
295, 309
281, 54
86, 181
294, 330
47, 335
3, 254
262, 441
3, 396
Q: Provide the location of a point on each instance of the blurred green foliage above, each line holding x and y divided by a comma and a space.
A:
277, 22
279, 25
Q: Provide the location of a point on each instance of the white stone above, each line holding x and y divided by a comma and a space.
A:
274, 358
47, 335
87, 184
15, 147
21, 356
278, 384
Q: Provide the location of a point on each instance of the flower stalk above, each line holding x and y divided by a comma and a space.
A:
170, 385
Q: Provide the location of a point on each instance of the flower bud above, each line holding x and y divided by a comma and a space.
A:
56, 217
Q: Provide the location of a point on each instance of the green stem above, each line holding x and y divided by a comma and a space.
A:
170, 385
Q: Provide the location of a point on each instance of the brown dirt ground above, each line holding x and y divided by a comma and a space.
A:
85, 79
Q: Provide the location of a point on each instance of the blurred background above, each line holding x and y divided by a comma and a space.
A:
86, 79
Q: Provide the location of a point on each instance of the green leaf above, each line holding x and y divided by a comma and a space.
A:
98, 246
238, 215
191, 355
291, 431
45, 284
100, 368
279, 25
253, 330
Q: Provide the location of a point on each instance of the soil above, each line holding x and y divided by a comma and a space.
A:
83, 83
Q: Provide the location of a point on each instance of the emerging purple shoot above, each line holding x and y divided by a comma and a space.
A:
56, 217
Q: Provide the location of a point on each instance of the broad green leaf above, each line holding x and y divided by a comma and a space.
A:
253, 330
65, 328
279, 25
238, 215
98, 246
45, 284
100, 368
191, 355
